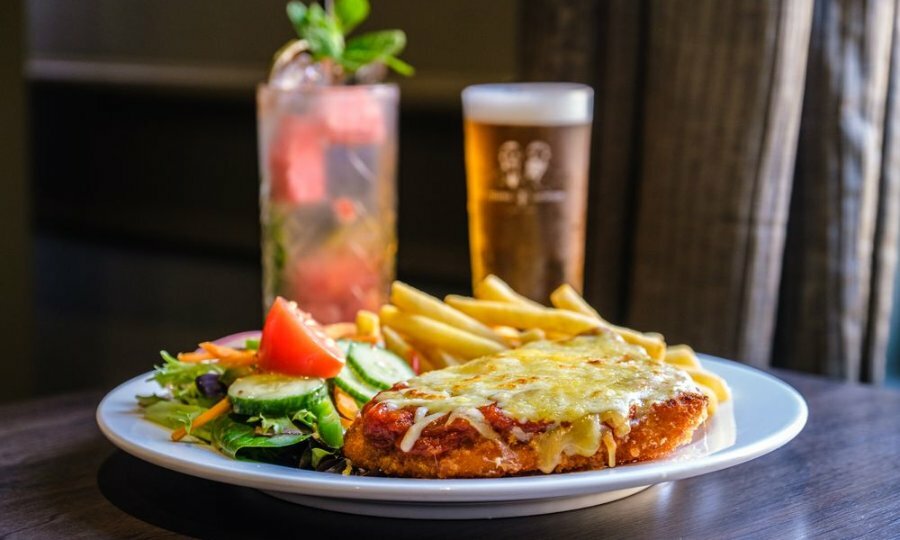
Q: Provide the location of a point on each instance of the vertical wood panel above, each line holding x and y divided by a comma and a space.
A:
620, 75
767, 237
597, 43
15, 238
887, 230
827, 275
722, 102
558, 40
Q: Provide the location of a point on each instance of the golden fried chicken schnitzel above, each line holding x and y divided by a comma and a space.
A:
584, 403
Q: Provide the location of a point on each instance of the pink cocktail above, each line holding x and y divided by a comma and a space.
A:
327, 196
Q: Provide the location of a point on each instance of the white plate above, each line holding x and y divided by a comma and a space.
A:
764, 414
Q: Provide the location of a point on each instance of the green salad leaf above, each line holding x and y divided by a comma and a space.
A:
275, 426
150, 399
305, 417
240, 440
173, 415
317, 454
173, 372
234, 373
179, 378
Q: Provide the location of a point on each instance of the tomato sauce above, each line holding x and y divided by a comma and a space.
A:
384, 427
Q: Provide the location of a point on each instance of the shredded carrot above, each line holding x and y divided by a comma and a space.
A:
345, 404
204, 418
195, 357
228, 356
340, 330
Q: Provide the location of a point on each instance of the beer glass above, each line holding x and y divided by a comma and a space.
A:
527, 149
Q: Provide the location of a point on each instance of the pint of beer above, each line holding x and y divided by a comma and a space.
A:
527, 153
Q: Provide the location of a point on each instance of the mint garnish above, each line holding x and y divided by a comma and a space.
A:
324, 32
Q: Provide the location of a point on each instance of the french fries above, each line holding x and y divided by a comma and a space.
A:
511, 337
712, 401
653, 343
437, 357
448, 359
517, 315
532, 334
368, 324
395, 343
711, 381
443, 336
715, 388
565, 297
682, 356
448, 333
494, 288
416, 302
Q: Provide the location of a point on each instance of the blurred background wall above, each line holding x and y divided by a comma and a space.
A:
15, 204
144, 169
141, 230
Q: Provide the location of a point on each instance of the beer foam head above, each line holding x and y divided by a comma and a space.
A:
529, 104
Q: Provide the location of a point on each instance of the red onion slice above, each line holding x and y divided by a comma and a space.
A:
237, 340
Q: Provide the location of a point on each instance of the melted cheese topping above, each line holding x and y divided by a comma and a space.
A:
415, 431
610, 443
475, 419
581, 438
559, 382
585, 387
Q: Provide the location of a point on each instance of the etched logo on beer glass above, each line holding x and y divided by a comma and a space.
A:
522, 182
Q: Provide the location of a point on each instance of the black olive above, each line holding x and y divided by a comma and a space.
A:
210, 385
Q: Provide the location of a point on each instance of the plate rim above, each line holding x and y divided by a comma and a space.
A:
461, 490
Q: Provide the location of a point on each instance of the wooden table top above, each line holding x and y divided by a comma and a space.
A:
839, 478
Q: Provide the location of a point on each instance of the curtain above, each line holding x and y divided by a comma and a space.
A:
745, 194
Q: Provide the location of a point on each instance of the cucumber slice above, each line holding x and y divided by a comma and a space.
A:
273, 394
378, 367
328, 422
348, 381
344, 344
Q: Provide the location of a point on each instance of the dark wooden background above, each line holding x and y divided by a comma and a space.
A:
143, 176
744, 170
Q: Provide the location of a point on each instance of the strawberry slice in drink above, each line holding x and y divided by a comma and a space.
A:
352, 116
297, 160
333, 284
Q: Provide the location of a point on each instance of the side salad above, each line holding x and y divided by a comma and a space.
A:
285, 397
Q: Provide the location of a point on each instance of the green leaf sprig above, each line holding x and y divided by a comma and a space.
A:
325, 33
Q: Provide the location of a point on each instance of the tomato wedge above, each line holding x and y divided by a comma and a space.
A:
293, 343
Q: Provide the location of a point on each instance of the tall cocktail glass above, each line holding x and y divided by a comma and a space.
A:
327, 157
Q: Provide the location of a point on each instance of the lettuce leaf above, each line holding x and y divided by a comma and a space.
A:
241, 441
173, 415
179, 378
